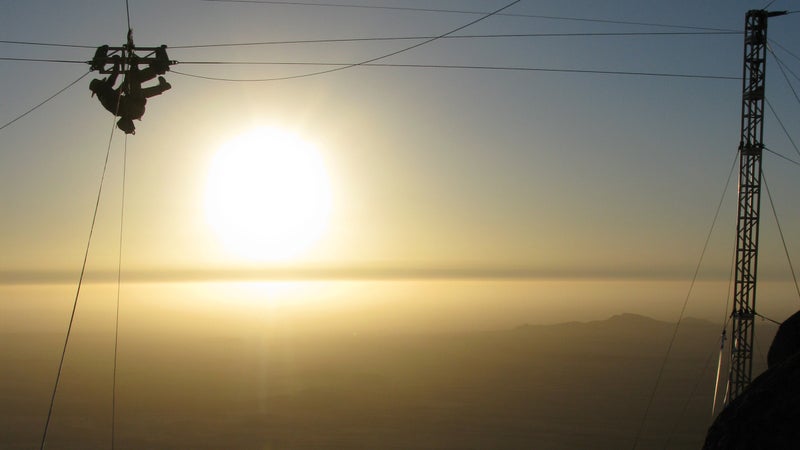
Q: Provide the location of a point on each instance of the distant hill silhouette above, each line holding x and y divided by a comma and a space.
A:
565, 386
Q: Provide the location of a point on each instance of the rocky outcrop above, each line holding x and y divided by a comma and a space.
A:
767, 414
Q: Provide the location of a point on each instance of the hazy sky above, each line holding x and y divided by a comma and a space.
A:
552, 173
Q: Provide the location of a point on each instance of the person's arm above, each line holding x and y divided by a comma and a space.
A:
112, 80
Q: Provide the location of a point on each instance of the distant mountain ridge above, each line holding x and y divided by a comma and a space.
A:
626, 320
559, 386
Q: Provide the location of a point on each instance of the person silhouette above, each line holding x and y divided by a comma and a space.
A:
129, 99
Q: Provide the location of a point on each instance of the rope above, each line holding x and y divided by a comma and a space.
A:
47, 44
45, 101
460, 36
778, 44
768, 319
719, 370
66, 61
785, 131
726, 320
435, 66
797, 163
128, 13
119, 283
782, 66
683, 311
455, 11
80, 283
780, 232
397, 52
685, 408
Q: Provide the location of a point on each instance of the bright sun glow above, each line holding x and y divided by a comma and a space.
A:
268, 195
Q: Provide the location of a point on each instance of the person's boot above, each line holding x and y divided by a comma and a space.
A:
162, 83
100, 57
161, 64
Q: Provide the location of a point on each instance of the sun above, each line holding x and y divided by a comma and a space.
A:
268, 195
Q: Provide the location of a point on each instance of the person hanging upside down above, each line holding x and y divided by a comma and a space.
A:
128, 100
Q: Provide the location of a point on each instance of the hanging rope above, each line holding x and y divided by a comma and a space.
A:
722, 339
128, 13
660, 375
119, 284
80, 283
726, 320
685, 408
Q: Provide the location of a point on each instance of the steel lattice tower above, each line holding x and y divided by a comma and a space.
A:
750, 149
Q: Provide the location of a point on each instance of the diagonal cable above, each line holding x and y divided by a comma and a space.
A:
45, 101
119, 283
683, 311
397, 52
80, 283
783, 69
783, 127
780, 232
460, 11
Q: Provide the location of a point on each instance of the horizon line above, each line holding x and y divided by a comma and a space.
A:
353, 273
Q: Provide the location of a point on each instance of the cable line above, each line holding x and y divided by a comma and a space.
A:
80, 283
780, 232
397, 52
726, 320
439, 66
767, 319
369, 39
778, 44
797, 163
458, 11
119, 283
785, 131
683, 310
69, 61
46, 44
692, 393
45, 101
464, 36
128, 13
783, 70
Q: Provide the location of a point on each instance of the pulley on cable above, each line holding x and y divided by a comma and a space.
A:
128, 100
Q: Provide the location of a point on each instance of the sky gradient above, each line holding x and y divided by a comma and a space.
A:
451, 171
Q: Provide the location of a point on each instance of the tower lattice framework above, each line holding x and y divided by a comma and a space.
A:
751, 148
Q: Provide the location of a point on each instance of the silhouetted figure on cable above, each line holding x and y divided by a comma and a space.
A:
129, 99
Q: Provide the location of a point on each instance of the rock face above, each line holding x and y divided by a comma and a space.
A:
767, 414
786, 342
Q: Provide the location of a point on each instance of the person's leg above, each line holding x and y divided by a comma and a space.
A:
156, 90
131, 84
146, 74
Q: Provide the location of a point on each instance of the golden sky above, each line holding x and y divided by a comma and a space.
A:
427, 169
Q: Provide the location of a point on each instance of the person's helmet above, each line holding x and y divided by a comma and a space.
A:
95, 86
